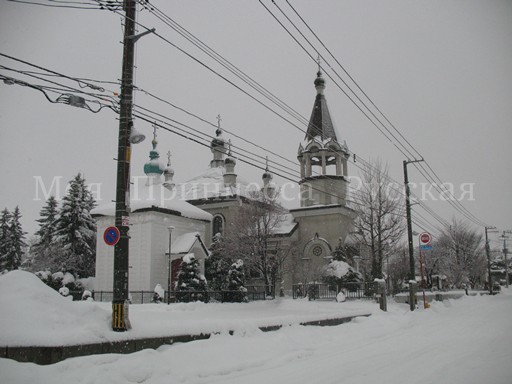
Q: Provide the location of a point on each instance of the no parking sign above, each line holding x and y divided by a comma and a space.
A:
111, 235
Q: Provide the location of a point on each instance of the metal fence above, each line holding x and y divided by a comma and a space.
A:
320, 291
253, 293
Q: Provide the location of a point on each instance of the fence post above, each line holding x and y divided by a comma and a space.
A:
381, 294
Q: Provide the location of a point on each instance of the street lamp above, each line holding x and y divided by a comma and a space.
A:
170, 228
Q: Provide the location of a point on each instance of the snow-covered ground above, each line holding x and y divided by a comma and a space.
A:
459, 341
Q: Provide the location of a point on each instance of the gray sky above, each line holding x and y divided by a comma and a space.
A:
439, 70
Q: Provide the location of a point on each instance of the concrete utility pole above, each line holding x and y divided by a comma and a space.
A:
505, 252
120, 319
488, 252
412, 273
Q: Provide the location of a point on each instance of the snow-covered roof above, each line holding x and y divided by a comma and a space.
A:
156, 196
184, 243
210, 183
286, 226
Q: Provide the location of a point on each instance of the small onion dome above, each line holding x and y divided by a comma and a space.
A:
267, 176
154, 165
218, 143
319, 81
168, 171
230, 160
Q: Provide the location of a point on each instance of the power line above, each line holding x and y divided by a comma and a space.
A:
79, 5
457, 205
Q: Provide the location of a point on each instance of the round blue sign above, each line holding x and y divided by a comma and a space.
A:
111, 235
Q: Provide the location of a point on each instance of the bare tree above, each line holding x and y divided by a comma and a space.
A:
459, 252
380, 208
252, 238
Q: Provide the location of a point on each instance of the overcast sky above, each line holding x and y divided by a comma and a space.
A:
439, 70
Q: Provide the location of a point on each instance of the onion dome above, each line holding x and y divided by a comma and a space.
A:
268, 186
218, 143
230, 160
319, 82
218, 148
154, 166
267, 176
168, 171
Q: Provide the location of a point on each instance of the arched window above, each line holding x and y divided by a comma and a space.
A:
217, 225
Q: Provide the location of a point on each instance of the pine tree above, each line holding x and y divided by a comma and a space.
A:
43, 251
14, 242
217, 266
5, 238
76, 230
237, 293
192, 284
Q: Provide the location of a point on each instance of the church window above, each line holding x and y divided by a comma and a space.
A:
218, 225
317, 250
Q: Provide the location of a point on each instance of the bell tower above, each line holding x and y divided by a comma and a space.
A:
323, 216
323, 160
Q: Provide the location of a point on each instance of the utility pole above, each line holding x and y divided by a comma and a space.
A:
505, 252
120, 319
488, 252
412, 273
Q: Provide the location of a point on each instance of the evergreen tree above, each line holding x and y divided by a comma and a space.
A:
47, 222
14, 242
76, 230
43, 251
216, 266
237, 293
192, 284
5, 238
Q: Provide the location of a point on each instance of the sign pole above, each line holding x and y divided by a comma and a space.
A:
425, 240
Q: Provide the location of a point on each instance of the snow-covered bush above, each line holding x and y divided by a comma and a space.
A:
158, 294
60, 280
192, 285
64, 291
87, 296
236, 291
338, 273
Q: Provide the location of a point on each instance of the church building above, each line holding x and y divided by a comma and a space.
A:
207, 205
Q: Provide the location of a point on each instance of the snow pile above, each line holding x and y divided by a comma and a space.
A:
34, 314
337, 269
464, 341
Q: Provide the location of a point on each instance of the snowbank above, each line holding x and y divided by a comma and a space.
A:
34, 314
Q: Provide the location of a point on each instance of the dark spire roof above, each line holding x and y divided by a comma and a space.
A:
320, 123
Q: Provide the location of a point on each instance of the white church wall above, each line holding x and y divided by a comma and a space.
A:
160, 243
149, 242
104, 257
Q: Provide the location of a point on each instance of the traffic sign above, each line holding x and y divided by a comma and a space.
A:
425, 241
425, 238
111, 235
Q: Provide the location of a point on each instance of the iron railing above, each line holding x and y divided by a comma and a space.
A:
253, 293
321, 291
